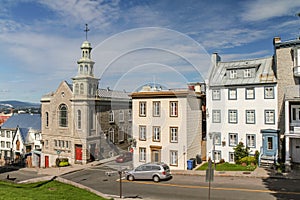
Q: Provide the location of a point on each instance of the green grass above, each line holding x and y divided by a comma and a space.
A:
228, 167
44, 190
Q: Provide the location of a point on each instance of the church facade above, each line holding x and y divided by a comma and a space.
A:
81, 122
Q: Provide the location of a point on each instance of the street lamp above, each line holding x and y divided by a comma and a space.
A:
213, 137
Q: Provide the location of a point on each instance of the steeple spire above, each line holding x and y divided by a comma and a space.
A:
86, 30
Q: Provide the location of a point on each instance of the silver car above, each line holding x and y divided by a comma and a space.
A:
154, 171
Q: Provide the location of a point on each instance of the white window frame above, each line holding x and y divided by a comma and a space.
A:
232, 94
233, 116
269, 116
233, 139
142, 108
121, 116
121, 134
142, 132
232, 74
250, 116
247, 73
231, 157
216, 116
173, 158
173, 108
173, 134
156, 133
251, 140
142, 154
217, 155
269, 92
156, 108
216, 94
216, 138
250, 93
111, 117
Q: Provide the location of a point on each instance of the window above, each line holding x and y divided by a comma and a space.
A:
81, 88
270, 143
142, 156
47, 119
216, 138
216, 95
232, 116
231, 157
247, 73
63, 116
76, 88
250, 140
37, 136
129, 115
233, 139
250, 93
142, 109
156, 109
156, 133
142, 130
2, 144
8, 134
269, 117
173, 158
232, 74
111, 134
269, 92
173, 134
7, 144
79, 119
217, 155
295, 114
232, 94
216, 116
250, 116
92, 121
111, 116
121, 116
55, 143
2, 134
173, 109
121, 134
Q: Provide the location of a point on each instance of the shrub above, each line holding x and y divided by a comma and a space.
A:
240, 151
248, 160
222, 161
63, 164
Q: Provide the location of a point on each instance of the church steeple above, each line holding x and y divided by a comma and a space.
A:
84, 83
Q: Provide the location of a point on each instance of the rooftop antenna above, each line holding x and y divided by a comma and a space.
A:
86, 30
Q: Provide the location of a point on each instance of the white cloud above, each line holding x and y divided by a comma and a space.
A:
266, 9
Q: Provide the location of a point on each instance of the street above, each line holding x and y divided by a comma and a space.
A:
185, 187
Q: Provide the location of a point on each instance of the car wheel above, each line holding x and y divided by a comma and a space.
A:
156, 179
130, 178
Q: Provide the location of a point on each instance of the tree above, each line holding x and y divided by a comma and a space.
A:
240, 151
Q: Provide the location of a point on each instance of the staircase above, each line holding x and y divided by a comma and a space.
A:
267, 162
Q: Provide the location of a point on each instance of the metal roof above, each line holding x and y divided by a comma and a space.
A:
262, 67
23, 121
106, 93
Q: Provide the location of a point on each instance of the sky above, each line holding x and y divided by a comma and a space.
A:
135, 42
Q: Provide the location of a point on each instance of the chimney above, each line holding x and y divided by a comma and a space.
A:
276, 40
215, 58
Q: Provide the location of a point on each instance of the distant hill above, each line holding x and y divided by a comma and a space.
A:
18, 104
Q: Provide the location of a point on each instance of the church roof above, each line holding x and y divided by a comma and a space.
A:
23, 121
24, 133
107, 93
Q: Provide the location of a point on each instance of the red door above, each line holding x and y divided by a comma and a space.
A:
78, 152
46, 161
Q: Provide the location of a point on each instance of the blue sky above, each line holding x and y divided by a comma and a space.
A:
135, 42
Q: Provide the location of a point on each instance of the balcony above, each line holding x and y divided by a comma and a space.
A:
296, 71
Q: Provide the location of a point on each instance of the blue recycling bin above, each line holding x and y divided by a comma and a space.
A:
190, 164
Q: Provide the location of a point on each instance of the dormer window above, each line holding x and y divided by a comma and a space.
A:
247, 73
232, 74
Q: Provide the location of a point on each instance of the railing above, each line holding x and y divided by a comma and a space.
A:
295, 128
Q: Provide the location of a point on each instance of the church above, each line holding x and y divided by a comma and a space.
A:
82, 122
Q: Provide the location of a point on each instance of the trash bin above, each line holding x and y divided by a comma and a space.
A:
198, 159
190, 164
194, 162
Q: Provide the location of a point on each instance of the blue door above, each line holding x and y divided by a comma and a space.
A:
270, 142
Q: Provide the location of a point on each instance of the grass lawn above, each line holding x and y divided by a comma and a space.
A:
228, 167
44, 190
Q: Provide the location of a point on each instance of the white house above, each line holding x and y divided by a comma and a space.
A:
241, 102
166, 126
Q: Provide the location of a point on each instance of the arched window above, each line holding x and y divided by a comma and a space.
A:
76, 88
63, 115
111, 116
111, 134
81, 88
90, 89
121, 134
81, 68
79, 119
86, 69
47, 119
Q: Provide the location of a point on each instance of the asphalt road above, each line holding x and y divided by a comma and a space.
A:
187, 187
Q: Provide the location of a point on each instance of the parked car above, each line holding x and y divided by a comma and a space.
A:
154, 171
125, 157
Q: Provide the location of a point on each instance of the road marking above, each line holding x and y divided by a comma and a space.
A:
212, 188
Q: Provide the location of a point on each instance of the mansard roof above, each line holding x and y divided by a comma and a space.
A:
262, 69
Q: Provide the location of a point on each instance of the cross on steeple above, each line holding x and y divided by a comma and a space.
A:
86, 30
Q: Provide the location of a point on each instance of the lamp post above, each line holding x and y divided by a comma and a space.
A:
212, 136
